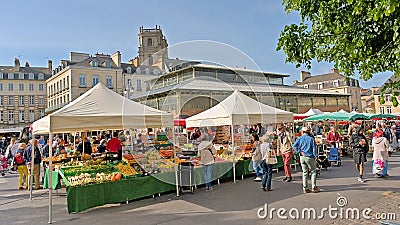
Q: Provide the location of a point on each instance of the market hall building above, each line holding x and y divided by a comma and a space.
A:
193, 87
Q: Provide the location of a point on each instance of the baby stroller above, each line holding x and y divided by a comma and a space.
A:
3, 165
334, 156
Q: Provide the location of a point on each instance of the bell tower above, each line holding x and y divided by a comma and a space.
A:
152, 46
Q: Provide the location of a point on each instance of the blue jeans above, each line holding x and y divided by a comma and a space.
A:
267, 177
257, 167
207, 174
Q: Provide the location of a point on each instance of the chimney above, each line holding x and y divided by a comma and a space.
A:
335, 71
295, 82
304, 75
116, 58
50, 65
16, 64
27, 64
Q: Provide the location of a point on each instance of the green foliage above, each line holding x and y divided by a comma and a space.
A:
356, 35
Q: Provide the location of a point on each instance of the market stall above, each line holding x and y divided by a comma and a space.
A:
99, 109
238, 109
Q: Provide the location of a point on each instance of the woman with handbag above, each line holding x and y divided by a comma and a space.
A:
268, 159
206, 152
256, 157
21, 165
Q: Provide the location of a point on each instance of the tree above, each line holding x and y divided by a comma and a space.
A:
358, 36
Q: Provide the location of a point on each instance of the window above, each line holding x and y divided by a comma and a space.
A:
305, 86
1, 87
139, 85
155, 72
10, 117
147, 71
41, 76
109, 81
389, 109
31, 76
10, 87
21, 87
129, 70
31, 100
21, 116
1, 76
67, 81
11, 100
21, 100
10, 76
82, 80
108, 64
95, 63
149, 42
387, 98
31, 115
320, 86
382, 110
336, 83
41, 113
64, 83
41, 87
1, 100
95, 80
21, 76
129, 83
31, 87
41, 100
147, 86
1, 116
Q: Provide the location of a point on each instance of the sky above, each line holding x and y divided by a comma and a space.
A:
36, 31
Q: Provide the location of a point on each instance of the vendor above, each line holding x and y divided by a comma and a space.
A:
114, 145
102, 146
333, 138
84, 142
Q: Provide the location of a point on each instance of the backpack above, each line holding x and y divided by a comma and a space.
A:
19, 160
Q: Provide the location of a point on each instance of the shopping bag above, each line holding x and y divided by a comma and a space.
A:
272, 157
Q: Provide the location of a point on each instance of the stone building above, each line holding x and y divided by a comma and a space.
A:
81, 72
22, 94
333, 82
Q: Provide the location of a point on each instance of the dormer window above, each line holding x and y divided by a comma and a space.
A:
336, 83
155, 72
31, 76
10, 76
21, 76
41, 76
95, 63
138, 71
320, 86
147, 71
1, 76
107, 64
305, 86
129, 70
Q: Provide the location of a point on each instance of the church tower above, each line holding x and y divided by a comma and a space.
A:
152, 46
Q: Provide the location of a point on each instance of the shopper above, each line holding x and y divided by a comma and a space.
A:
114, 145
256, 157
284, 144
206, 152
306, 147
333, 138
360, 149
319, 129
380, 156
37, 159
267, 163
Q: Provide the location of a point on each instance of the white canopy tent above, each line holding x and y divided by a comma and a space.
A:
238, 109
99, 109
310, 112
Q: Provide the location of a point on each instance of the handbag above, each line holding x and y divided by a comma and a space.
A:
271, 159
257, 157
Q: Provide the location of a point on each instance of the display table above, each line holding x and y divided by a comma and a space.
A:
80, 198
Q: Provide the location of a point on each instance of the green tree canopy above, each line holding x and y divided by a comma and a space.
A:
358, 36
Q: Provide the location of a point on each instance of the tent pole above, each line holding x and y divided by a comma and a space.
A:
176, 165
32, 167
50, 178
233, 154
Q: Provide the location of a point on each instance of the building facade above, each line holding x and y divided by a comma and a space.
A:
333, 82
197, 87
23, 95
81, 72
386, 106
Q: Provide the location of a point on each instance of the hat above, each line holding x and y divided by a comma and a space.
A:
305, 129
